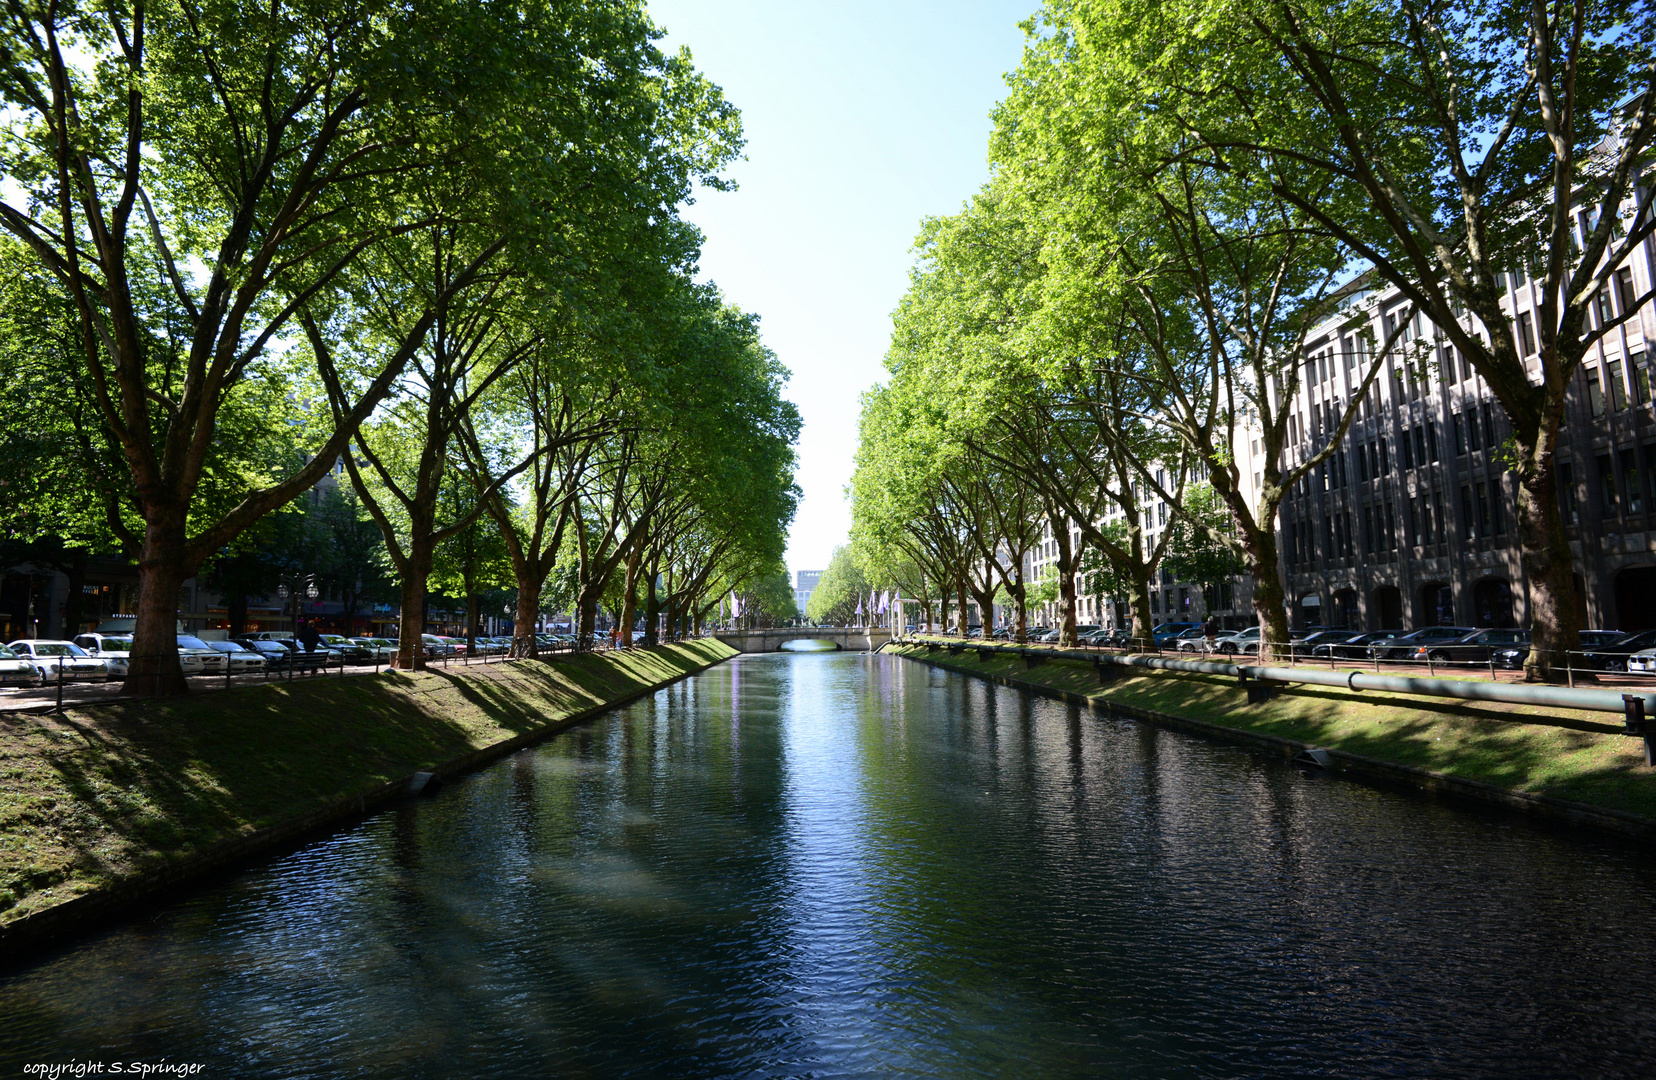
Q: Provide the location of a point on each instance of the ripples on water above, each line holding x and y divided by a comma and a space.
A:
841, 865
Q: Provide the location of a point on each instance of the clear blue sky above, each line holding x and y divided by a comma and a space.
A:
861, 119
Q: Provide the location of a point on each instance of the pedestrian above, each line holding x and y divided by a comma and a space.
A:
309, 637
1210, 631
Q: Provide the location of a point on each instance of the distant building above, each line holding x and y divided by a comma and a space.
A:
804, 582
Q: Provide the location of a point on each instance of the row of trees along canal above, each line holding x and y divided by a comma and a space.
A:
437, 243
1180, 193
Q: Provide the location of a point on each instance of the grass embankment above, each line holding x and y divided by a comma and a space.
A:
1490, 743
109, 794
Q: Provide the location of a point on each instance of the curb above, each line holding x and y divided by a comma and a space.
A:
43, 928
1548, 807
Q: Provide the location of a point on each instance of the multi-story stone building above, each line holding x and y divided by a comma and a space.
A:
1413, 521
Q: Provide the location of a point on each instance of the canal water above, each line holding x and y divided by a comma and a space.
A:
832, 865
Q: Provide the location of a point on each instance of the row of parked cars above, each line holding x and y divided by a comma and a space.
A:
1604, 650
98, 656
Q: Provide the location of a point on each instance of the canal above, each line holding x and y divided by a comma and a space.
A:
841, 865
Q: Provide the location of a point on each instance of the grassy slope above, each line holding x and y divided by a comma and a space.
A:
109, 791
1485, 742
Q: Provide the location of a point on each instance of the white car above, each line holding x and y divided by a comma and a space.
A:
53, 658
242, 660
17, 671
114, 650
1643, 660
192, 648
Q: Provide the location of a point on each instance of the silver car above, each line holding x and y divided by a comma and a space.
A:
59, 659
17, 671
115, 650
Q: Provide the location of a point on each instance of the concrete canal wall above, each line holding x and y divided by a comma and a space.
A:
108, 805
1566, 766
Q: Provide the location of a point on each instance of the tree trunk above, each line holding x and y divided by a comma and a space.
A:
471, 623
629, 598
652, 610
965, 614
587, 608
410, 634
1020, 607
524, 617
414, 572
236, 611
1066, 585
1268, 593
1143, 629
154, 670
1549, 565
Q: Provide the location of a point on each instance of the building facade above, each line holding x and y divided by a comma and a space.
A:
1413, 521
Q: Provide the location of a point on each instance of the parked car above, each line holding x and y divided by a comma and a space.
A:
1405, 646
212, 661
1613, 656
17, 670
1350, 646
115, 650
1311, 642
1474, 648
1643, 661
1233, 642
437, 646
350, 650
277, 656
380, 650
242, 660
1192, 640
55, 659
1167, 631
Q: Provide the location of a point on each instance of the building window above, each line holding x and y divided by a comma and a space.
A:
1641, 378
1439, 521
1566, 494
1405, 447
1624, 289
1618, 386
1460, 432
1607, 485
1526, 333
1632, 485
1601, 306
1420, 444
1595, 391
1384, 468
1497, 495
1473, 441
1468, 522
1390, 526
1368, 530
1431, 438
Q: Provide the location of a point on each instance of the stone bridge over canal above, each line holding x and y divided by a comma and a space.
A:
761, 641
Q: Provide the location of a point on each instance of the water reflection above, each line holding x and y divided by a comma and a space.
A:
844, 865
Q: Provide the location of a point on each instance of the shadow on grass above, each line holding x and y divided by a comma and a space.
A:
126, 787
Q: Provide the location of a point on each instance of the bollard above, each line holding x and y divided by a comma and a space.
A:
60, 685
1639, 724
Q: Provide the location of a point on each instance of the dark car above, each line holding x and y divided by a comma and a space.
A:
1612, 656
1475, 648
1319, 643
1406, 646
1513, 656
277, 656
1350, 645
